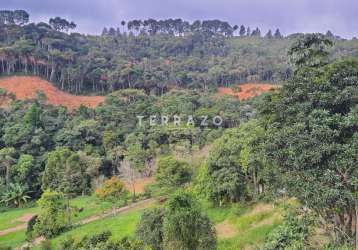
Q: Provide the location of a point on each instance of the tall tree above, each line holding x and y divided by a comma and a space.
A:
313, 136
61, 24
242, 30
7, 160
185, 226
269, 35
277, 34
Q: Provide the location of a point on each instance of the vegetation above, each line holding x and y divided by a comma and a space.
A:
298, 141
154, 55
52, 219
293, 233
184, 225
113, 190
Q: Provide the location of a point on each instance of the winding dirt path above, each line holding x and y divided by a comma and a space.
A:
13, 229
23, 219
113, 212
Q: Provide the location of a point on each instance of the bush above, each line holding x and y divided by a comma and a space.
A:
172, 173
291, 234
185, 227
30, 227
101, 241
112, 190
150, 228
46, 245
52, 218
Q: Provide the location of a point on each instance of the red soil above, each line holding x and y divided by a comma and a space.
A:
247, 90
25, 87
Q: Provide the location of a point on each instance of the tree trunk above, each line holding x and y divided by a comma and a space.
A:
7, 175
255, 182
53, 71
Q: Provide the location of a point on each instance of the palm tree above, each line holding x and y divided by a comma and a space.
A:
15, 195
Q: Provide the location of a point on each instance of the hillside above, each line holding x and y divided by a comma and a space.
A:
25, 87
247, 91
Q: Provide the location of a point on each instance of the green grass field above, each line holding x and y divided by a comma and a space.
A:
90, 205
121, 226
238, 226
13, 239
9, 219
244, 226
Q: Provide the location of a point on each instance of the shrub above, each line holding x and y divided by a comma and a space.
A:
30, 227
150, 228
291, 234
52, 217
172, 173
112, 190
100, 241
185, 227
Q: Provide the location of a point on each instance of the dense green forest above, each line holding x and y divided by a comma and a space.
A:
154, 55
298, 142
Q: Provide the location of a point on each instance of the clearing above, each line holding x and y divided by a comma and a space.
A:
247, 90
139, 184
25, 87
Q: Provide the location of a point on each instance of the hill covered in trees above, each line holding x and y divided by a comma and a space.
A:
213, 159
154, 55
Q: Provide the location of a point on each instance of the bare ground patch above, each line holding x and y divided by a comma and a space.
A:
225, 230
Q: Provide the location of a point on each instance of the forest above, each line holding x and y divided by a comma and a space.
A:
279, 171
154, 55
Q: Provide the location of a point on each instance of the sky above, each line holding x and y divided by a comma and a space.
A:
290, 16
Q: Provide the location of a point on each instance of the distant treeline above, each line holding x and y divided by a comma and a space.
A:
180, 27
154, 55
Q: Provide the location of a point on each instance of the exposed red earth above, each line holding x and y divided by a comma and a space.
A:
25, 87
247, 90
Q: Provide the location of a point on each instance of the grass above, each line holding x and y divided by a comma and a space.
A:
90, 205
121, 226
252, 224
8, 218
13, 239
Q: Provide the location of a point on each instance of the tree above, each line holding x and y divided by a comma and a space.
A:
15, 195
269, 35
51, 220
251, 137
329, 34
256, 32
7, 159
54, 170
242, 30
314, 139
68, 172
113, 190
277, 34
7, 17
21, 17
235, 28
21, 172
76, 181
185, 227
226, 170
18, 17
172, 173
105, 32
248, 31
150, 228
311, 50
60, 24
